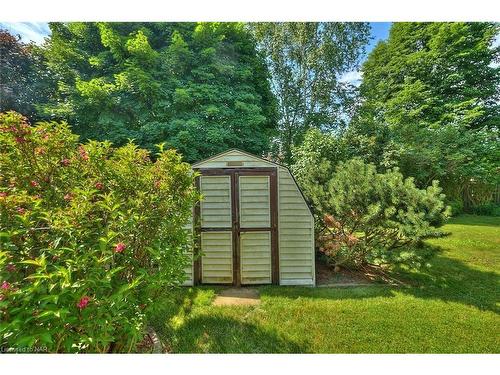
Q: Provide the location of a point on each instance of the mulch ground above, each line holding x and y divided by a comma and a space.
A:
325, 275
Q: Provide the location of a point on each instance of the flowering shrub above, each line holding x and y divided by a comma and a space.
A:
89, 235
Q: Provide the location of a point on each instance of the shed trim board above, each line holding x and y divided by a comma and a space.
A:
246, 197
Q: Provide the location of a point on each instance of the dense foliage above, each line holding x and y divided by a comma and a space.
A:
200, 88
430, 106
368, 217
306, 61
90, 234
315, 159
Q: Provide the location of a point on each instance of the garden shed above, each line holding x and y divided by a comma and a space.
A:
252, 226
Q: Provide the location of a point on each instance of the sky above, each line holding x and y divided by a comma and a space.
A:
380, 31
29, 31
37, 31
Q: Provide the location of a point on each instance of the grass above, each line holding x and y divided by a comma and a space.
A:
452, 306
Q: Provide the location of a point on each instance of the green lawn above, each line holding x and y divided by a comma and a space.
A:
450, 307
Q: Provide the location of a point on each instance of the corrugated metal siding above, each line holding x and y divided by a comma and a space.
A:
216, 203
255, 205
296, 234
255, 249
217, 257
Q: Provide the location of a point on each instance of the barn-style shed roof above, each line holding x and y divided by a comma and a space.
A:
235, 150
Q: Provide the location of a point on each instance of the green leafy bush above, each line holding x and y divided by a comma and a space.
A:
90, 235
372, 218
488, 209
456, 207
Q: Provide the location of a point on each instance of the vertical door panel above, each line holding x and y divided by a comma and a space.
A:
255, 246
255, 250
216, 244
255, 202
217, 257
216, 202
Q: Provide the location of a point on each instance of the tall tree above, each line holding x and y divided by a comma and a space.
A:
306, 61
430, 104
201, 88
24, 82
435, 74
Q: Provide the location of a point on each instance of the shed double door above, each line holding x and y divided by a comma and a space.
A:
238, 227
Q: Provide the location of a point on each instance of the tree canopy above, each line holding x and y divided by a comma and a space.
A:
435, 74
200, 88
430, 104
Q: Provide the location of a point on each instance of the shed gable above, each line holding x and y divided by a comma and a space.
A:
234, 159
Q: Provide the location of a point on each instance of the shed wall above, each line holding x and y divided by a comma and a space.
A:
296, 234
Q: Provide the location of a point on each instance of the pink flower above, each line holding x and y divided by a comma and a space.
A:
84, 301
99, 185
119, 247
5, 285
34, 183
20, 140
65, 162
157, 184
68, 197
3, 194
21, 211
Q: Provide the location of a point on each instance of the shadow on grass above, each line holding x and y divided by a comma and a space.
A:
334, 293
475, 220
451, 280
215, 333
210, 329
175, 303
446, 279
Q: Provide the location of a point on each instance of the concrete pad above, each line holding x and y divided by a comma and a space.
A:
237, 296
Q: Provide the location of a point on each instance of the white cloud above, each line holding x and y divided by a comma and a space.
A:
29, 31
353, 77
